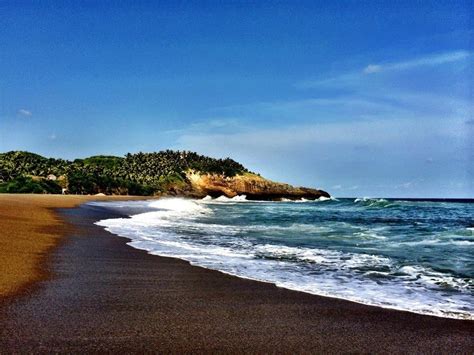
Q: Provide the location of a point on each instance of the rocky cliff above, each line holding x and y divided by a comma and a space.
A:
253, 186
165, 173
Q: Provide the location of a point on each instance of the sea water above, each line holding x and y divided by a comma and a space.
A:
416, 256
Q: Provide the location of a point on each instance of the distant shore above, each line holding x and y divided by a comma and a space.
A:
106, 296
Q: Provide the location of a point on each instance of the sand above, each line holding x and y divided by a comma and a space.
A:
29, 230
105, 296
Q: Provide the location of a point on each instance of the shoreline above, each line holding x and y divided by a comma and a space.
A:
388, 308
110, 296
31, 230
294, 289
424, 308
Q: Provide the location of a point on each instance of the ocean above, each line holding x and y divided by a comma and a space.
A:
412, 255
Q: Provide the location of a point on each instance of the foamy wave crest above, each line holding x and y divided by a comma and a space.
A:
321, 256
225, 199
169, 210
178, 204
243, 198
432, 278
324, 198
374, 202
238, 198
462, 243
303, 200
292, 246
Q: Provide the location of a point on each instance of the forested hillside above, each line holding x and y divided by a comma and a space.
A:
134, 174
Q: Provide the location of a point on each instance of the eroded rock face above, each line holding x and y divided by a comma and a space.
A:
253, 186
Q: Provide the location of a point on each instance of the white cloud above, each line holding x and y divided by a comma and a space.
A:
324, 153
24, 112
317, 108
52, 136
432, 60
407, 185
348, 78
214, 124
371, 133
372, 68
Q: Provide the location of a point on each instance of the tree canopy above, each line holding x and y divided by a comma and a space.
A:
137, 174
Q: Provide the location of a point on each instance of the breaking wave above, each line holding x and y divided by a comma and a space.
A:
374, 202
323, 249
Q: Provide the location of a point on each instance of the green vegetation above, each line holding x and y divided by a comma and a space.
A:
134, 174
24, 184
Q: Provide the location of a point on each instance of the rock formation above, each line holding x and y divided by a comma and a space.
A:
253, 186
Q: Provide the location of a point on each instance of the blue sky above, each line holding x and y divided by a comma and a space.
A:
367, 98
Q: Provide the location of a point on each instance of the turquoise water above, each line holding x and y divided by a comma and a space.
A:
410, 255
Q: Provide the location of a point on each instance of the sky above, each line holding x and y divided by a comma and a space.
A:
360, 98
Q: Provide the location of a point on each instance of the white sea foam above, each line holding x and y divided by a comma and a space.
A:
430, 277
222, 198
240, 198
373, 202
303, 200
243, 198
467, 243
225, 199
181, 205
194, 231
322, 256
324, 198
437, 242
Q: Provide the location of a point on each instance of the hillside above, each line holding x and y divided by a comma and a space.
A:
163, 173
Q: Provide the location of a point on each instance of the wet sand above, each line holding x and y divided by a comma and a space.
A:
108, 297
29, 230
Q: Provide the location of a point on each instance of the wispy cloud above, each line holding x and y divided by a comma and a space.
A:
326, 154
317, 109
432, 60
370, 69
215, 124
373, 93
307, 103
375, 129
352, 134
370, 104
25, 113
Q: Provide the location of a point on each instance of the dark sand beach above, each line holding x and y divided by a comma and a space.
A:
29, 230
104, 296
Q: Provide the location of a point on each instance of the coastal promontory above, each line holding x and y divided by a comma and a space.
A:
165, 173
